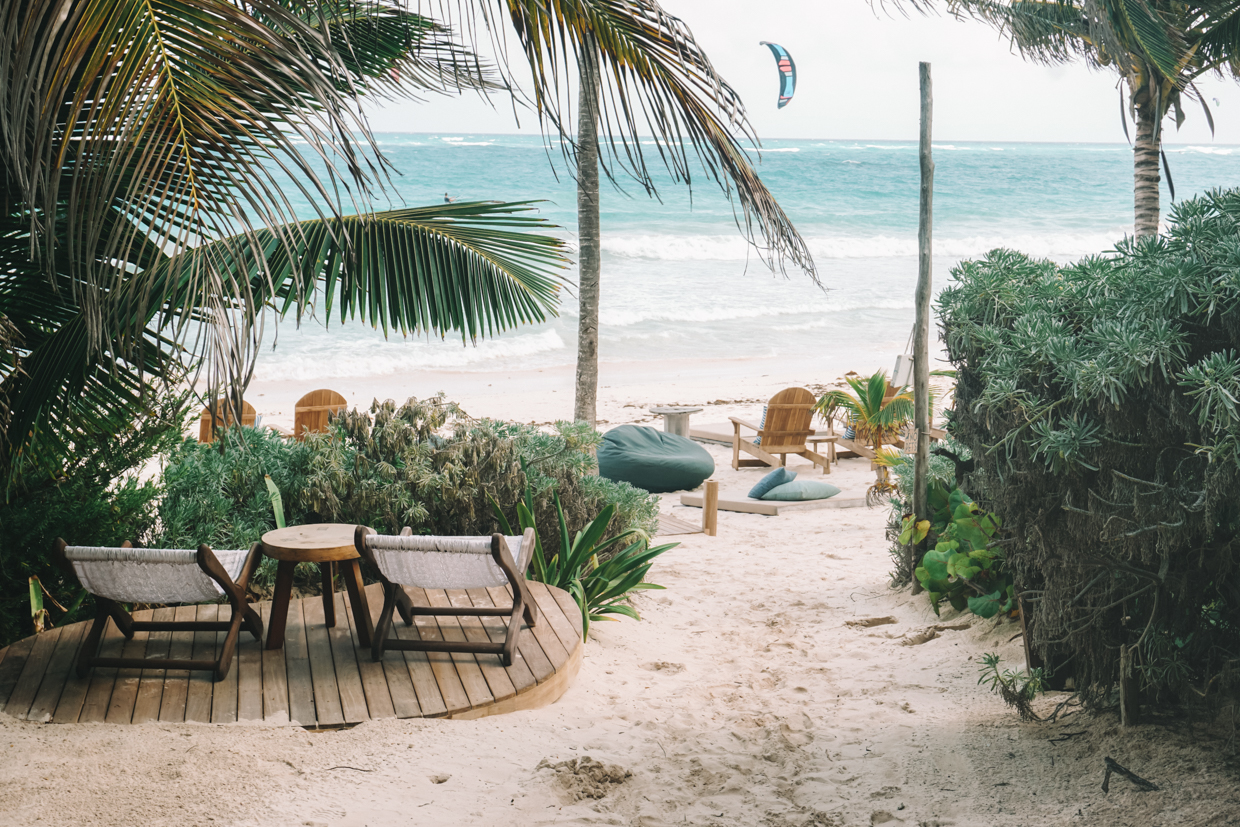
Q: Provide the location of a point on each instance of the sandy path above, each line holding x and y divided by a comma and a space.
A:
741, 699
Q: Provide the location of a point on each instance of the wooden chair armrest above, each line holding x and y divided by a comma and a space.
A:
738, 422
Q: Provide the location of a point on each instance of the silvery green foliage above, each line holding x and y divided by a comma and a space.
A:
1101, 401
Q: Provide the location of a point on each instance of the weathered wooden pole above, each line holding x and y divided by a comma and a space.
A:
921, 330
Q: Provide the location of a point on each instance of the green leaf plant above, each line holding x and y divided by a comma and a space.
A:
600, 588
965, 568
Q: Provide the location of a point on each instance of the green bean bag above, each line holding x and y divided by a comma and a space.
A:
652, 459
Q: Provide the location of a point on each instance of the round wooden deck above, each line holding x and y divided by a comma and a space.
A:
321, 678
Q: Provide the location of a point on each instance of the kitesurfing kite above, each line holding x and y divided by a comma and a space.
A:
787, 72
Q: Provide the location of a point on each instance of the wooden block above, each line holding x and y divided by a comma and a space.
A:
710, 508
773, 508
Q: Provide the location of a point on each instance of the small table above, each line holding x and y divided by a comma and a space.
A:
676, 418
326, 544
830, 439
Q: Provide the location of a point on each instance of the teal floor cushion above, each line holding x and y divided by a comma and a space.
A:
652, 459
801, 490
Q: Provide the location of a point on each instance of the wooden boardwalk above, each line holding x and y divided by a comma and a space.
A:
319, 679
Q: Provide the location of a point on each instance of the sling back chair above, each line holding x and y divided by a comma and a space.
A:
785, 427
449, 563
160, 575
312, 412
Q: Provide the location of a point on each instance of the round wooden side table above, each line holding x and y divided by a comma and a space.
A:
326, 544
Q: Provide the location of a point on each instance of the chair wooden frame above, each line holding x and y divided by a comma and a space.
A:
105, 608
219, 416
313, 411
789, 419
523, 605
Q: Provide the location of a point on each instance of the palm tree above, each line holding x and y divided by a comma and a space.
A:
1158, 47
589, 246
144, 145
876, 412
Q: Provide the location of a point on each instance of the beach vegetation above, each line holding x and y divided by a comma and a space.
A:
599, 577
877, 412
99, 499
1100, 401
1016, 688
1158, 48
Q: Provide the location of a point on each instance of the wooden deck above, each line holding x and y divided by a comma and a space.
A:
319, 679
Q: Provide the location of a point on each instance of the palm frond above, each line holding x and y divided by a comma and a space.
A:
656, 83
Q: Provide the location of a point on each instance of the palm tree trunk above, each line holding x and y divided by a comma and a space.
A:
1145, 164
585, 406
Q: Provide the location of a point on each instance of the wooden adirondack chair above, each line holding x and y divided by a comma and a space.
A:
209, 424
314, 410
785, 428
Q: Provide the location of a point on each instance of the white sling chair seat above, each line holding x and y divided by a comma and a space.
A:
151, 575
444, 562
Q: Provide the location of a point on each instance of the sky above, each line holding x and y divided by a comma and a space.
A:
857, 79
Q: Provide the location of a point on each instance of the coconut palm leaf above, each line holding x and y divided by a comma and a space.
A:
471, 267
391, 51
656, 83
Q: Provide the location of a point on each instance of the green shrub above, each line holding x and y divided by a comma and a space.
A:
1101, 401
96, 499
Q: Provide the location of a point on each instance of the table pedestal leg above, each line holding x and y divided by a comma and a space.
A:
328, 570
352, 574
279, 604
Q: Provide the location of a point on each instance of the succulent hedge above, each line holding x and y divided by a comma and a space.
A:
1101, 403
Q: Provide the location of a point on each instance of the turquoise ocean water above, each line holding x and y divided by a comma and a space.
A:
679, 281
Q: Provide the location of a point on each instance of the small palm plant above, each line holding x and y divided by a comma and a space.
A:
876, 415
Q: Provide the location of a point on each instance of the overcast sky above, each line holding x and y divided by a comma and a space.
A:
857, 78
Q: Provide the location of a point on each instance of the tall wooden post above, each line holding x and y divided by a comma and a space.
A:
921, 330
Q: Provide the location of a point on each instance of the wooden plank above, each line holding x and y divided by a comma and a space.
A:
348, 678
467, 668
322, 669
201, 682
379, 702
249, 678
13, 664
530, 649
430, 697
125, 691
567, 627
151, 684
275, 675
669, 525
546, 637
58, 672
32, 673
395, 670
496, 629
455, 698
224, 693
176, 681
772, 508
498, 682
102, 679
297, 668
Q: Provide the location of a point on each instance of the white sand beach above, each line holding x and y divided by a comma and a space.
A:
777, 681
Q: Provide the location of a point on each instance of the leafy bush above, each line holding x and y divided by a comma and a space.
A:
1101, 401
601, 588
96, 499
393, 467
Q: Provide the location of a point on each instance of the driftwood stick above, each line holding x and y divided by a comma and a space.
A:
1114, 766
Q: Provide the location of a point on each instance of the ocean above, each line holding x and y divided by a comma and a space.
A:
679, 281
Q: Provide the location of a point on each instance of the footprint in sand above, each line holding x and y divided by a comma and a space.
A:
664, 666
